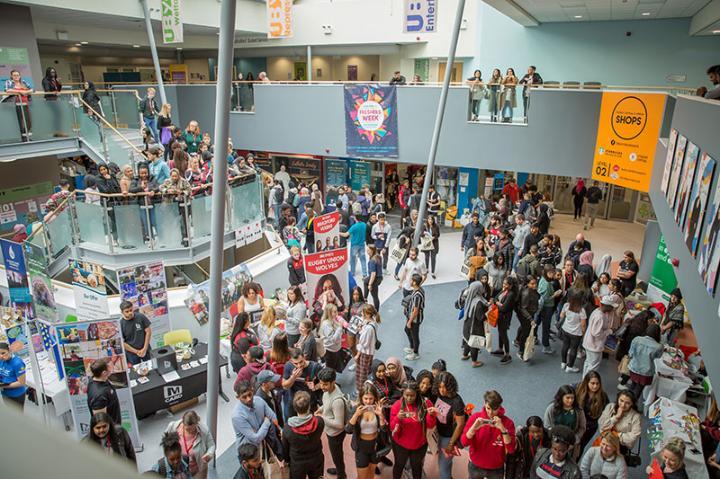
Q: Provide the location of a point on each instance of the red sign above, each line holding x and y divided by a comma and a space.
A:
327, 277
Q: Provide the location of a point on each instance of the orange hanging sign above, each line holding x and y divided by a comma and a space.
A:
627, 135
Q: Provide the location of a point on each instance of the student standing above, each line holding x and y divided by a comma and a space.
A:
252, 419
578, 193
414, 315
574, 324
565, 411
111, 437
381, 233
598, 330
593, 400
250, 462
12, 377
410, 419
302, 440
101, 395
432, 231
150, 110
505, 300
556, 461
333, 413
366, 345
450, 424
413, 265
375, 276
369, 428
136, 332
196, 442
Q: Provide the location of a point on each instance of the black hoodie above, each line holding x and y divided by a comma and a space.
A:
301, 439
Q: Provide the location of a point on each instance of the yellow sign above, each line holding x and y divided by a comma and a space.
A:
627, 136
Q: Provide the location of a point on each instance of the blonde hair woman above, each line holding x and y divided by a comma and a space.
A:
605, 459
366, 345
331, 331
268, 328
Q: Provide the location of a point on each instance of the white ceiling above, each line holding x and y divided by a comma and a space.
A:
600, 10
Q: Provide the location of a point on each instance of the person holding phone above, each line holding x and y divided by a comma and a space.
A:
490, 434
410, 419
451, 421
368, 427
12, 377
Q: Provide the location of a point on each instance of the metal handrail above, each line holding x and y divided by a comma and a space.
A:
107, 123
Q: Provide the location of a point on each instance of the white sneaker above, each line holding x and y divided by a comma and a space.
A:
412, 357
562, 366
572, 370
408, 350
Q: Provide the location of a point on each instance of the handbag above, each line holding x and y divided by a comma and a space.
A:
488, 337
397, 253
271, 465
475, 341
426, 243
624, 365
632, 458
529, 347
492, 315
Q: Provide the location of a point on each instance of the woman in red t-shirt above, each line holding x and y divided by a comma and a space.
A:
410, 419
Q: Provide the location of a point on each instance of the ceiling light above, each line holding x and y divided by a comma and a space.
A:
78, 44
178, 48
578, 16
83, 43
715, 32
136, 46
645, 14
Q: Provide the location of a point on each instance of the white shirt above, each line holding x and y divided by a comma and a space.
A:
412, 267
331, 335
366, 340
573, 320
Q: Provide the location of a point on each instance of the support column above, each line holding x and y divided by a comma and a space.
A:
309, 63
439, 121
217, 224
153, 51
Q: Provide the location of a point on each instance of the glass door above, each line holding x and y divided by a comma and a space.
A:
562, 196
623, 203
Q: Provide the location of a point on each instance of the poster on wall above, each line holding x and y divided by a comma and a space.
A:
280, 18
667, 169
662, 278
371, 121
88, 282
81, 344
419, 16
172, 21
676, 170
327, 232
698, 203
197, 299
628, 130
23, 204
306, 170
41, 287
360, 174
336, 172
16, 273
145, 286
709, 251
686, 180
15, 59
327, 277
352, 72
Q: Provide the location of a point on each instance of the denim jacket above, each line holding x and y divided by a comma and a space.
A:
643, 352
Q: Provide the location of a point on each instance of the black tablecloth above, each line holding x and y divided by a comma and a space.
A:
156, 394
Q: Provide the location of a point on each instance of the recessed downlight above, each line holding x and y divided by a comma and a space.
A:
645, 14
578, 16
83, 43
136, 46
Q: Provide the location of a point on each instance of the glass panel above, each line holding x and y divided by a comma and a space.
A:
91, 222
59, 231
108, 110
89, 130
622, 203
201, 217
10, 131
246, 204
645, 210
563, 194
126, 110
118, 148
130, 224
169, 225
243, 97
50, 118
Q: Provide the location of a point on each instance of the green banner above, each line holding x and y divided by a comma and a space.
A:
662, 277
41, 287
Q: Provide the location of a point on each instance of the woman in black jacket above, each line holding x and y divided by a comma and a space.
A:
51, 84
296, 270
530, 438
543, 219
505, 301
92, 99
110, 437
474, 303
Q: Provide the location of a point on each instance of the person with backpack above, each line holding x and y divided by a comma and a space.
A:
173, 464
335, 411
527, 306
529, 266
414, 307
256, 363
473, 303
302, 439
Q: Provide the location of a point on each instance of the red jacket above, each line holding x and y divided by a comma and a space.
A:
487, 449
250, 370
513, 191
409, 432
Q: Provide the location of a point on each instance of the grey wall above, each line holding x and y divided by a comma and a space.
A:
16, 30
308, 119
698, 120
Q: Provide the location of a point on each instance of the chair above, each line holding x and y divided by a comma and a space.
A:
171, 338
571, 84
592, 85
551, 84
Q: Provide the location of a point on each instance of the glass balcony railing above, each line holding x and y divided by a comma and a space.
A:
132, 223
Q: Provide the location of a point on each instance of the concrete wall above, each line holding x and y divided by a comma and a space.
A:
697, 120
596, 51
16, 30
333, 68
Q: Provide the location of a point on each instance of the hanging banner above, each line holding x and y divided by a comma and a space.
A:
360, 174
41, 287
371, 128
419, 16
198, 295
145, 287
327, 232
662, 277
628, 130
336, 172
16, 273
280, 18
172, 21
81, 344
327, 278
88, 281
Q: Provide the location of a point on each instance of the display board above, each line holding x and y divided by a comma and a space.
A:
336, 172
23, 205
360, 174
198, 295
327, 275
16, 273
628, 130
145, 286
662, 277
41, 288
89, 288
371, 121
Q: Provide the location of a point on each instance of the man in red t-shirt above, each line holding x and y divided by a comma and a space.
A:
512, 190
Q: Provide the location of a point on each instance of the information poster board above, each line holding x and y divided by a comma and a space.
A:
41, 287
336, 172
81, 344
145, 286
23, 204
360, 174
327, 275
326, 229
88, 282
628, 129
16, 273
198, 295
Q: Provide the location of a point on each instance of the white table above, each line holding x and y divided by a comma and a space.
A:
668, 383
225, 351
55, 389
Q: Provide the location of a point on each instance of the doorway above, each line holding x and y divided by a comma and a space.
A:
455, 75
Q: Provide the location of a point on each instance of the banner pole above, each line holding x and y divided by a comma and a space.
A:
217, 225
439, 121
37, 374
153, 51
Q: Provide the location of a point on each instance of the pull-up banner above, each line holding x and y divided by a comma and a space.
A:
628, 130
371, 121
172, 21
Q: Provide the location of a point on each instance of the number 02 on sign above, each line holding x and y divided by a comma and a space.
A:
627, 135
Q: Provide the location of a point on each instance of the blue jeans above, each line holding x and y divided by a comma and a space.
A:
544, 320
444, 463
355, 253
516, 258
152, 124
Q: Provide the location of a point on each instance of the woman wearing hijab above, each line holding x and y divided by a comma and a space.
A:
586, 266
473, 305
578, 194
543, 219
91, 99
395, 371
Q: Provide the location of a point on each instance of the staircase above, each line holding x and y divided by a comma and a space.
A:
119, 151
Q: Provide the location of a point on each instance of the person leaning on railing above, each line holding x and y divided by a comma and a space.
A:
175, 187
18, 90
